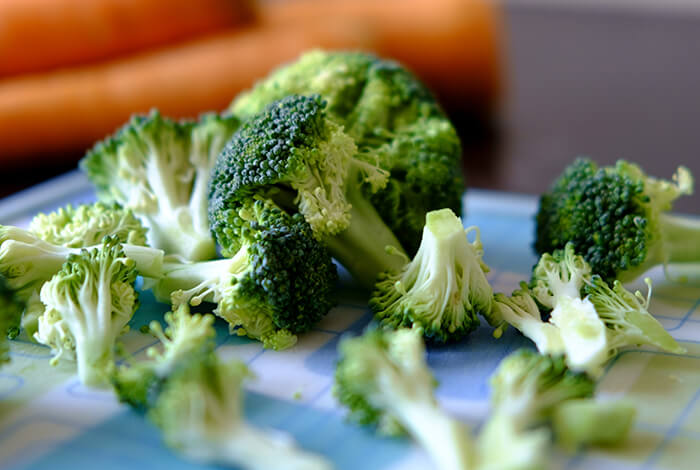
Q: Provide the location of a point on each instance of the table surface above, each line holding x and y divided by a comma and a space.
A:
48, 420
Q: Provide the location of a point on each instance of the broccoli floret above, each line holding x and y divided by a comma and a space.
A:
279, 282
294, 154
525, 390
393, 119
27, 261
442, 289
90, 300
382, 379
617, 219
88, 224
160, 169
10, 314
585, 421
196, 401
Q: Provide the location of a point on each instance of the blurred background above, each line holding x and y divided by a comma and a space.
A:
530, 84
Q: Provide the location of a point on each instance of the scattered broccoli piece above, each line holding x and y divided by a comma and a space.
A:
382, 379
627, 317
393, 119
160, 169
88, 224
442, 289
525, 391
196, 401
279, 282
584, 422
10, 313
617, 219
90, 300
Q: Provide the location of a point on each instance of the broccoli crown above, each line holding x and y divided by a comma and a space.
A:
10, 316
527, 386
160, 169
442, 289
393, 119
88, 224
611, 215
92, 297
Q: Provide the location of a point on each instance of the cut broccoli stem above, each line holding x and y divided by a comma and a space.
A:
682, 236
584, 421
176, 232
362, 247
198, 281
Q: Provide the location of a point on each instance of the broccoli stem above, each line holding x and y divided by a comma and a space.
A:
681, 237
361, 248
444, 439
176, 232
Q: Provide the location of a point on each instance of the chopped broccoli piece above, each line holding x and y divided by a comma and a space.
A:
196, 401
393, 119
279, 282
382, 379
617, 219
88, 224
442, 289
160, 169
584, 422
90, 300
10, 313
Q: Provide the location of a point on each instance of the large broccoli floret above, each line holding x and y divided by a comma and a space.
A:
617, 219
526, 389
382, 379
392, 118
294, 154
279, 282
10, 314
89, 303
442, 289
196, 401
160, 169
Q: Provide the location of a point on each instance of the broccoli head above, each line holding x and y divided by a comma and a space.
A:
160, 169
617, 219
442, 289
393, 119
279, 282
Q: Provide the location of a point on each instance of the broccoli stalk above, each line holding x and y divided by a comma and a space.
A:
382, 378
92, 297
160, 169
584, 421
617, 219
442, 289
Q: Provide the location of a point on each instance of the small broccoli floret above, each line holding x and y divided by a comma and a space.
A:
617, 219
525, 390
627, 318
521, 311
88, 224
584, 422
160, 169
557, 281
91, 300
393, 119
442, 289
196, 401
382, 379
279, 282
10, 314
27, 261
294, 154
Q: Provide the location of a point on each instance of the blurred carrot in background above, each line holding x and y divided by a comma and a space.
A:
39, 35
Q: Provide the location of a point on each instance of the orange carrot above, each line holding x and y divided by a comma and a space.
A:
39, 35
67, 111
453, 45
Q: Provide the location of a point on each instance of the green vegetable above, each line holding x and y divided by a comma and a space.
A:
160, 169
278, 283
394, 121
442, 289
196, 401
583, 422
89, 303
382, 379
10, 313
617, 219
